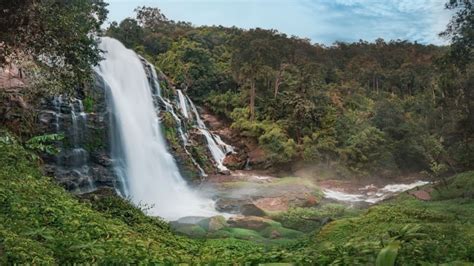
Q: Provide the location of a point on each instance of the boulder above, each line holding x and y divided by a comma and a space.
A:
102, 176
101, 158
214, 223
257, 157
234, 162
272, 204
189, 220
251, 210
310, 201
230, 205
421, 194
250, 222
191, 230
275, 234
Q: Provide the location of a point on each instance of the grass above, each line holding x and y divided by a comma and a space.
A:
445, 234
41, 223
310, 219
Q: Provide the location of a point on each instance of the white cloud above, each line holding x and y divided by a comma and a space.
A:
323, 21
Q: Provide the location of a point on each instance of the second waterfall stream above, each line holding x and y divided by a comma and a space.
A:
151, 176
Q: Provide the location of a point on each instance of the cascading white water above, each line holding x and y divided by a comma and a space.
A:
168, 105
169, 108
152, 174
218, 148
372, 194
182, 104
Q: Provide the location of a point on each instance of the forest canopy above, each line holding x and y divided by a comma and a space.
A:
366, 107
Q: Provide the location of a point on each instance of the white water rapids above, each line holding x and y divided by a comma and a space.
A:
370, 193
151, 173
218, 148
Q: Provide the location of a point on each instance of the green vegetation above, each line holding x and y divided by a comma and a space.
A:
309, 219
368, 108
197, 151
43, 224
62, 32
436, 231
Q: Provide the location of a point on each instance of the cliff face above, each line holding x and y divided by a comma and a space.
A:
85, 119
87, 124
11, 77
84, 162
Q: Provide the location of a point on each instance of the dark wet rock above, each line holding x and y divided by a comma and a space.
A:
251, 210
84, 162
102, 176
48, 169
230, 205
101, 158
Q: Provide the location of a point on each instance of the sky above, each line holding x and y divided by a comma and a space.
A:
321, 21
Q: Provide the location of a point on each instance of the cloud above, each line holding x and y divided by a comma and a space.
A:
322, 21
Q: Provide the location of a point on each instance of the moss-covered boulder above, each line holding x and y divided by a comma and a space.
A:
213, 224
251, 222
192, 230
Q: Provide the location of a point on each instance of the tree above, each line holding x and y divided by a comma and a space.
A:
59, 35
190, 65
128, 32
253, 61
461, 31
151, 18
459, 82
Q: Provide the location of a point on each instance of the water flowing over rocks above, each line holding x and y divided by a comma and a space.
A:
140, 153
84, 160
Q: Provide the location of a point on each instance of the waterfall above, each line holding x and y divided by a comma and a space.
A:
218, 148
73, 159
151, 172
169, 108
183, 104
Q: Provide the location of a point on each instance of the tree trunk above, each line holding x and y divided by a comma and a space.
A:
252, 99
377, 85
278, 79
277, 85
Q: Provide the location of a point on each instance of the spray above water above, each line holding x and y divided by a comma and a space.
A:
152, 176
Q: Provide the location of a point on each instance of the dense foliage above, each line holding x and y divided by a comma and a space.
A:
382, 107
58, 37
41, 223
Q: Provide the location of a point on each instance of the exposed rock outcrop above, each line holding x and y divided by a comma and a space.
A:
84, 162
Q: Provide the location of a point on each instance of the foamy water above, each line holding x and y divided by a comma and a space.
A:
150, 173
371, 194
